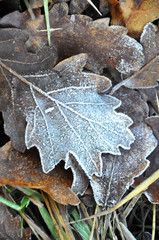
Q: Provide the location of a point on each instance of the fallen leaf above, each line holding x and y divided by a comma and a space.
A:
119, 171
77, 6
134, 14
147, 76
106, 46
103, 7
39, 3
152, 191
10, 227
24, 169
64, 105
151, 95
24, 51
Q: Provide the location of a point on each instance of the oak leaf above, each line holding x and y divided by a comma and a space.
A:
134, 14
119, 171
24, 169
152, 191
77, 7
65, 115
147, 76
106, 46
22, 50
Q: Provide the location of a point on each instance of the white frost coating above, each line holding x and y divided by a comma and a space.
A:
106, 189
137, 59
149, 29
72, 18
63, 122
124, 66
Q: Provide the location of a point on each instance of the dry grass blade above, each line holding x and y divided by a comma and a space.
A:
85, 213
62, 229
118, 225
37, 230
29, 9
154, 222
111, 228
52, 211
92, 4
106, 225
140, 188
130, 206
126, 232
157, 101
93, 225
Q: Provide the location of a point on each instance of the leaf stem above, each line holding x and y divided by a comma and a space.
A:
117, 86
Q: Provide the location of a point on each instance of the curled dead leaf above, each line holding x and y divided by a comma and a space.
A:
24, 169
134, 15
148, 76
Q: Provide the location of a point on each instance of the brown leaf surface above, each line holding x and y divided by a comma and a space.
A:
151, 95
106, 46
147, 76
10, 227
103, 7
119, 171
77, 6
134, 14
39, 3
152, 192
25, 170
23, 49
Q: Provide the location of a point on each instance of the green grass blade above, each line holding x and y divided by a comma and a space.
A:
47, 219
46, 10
80, 227
30, 192
10, 204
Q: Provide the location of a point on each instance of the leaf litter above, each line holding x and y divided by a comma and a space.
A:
106, 46
64, 111
52, 109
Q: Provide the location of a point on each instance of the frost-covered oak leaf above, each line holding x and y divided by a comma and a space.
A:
66, 115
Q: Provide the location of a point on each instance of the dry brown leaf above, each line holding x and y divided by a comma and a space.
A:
119, 171
23, 50
134, 14
152, 192
106, 46
77, 6
24, 169
148, 76
38, 3
103, 7
10, 227
151, 95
